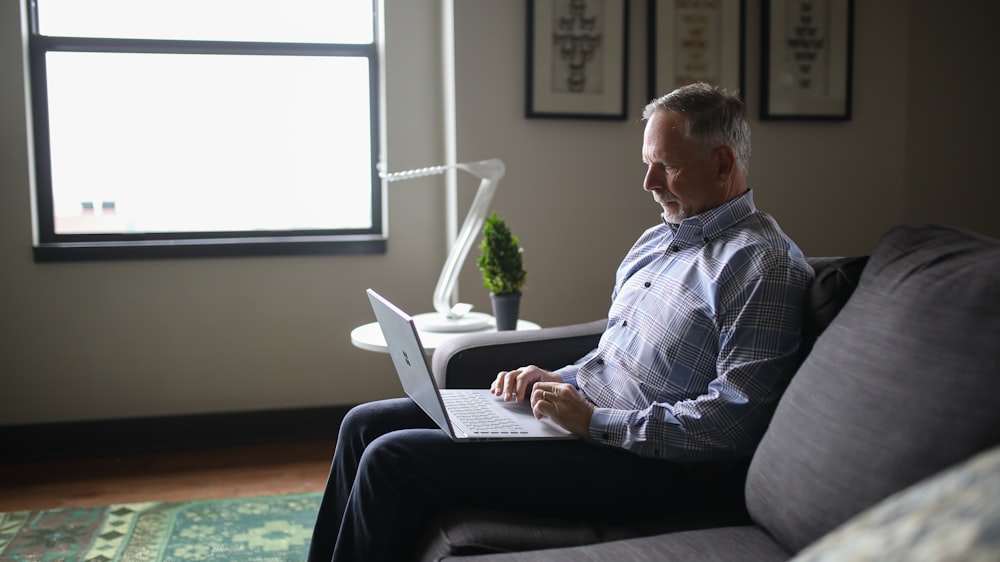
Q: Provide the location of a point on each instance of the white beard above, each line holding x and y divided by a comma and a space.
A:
664, 197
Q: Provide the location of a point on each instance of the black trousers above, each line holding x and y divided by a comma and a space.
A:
393, 469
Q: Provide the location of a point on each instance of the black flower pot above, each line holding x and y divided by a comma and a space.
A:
506, 308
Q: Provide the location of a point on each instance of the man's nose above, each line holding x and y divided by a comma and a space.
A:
652, 180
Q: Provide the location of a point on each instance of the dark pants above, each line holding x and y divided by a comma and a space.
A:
393, 469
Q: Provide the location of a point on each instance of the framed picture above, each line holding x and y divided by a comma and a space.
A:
695, 41
807, 58
577, 61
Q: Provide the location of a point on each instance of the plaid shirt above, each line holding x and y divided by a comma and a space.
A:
702, 338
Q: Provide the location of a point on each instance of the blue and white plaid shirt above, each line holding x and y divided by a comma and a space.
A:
702, 338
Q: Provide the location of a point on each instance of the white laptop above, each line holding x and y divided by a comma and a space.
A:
464, 414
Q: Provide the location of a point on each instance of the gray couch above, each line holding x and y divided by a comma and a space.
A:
900, 380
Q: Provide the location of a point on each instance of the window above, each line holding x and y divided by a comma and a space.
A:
168, 128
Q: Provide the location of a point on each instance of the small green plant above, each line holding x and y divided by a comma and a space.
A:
500, 260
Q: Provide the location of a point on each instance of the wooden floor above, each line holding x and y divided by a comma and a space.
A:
173, 476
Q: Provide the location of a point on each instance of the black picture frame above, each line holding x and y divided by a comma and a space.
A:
696, 42
589, 81
807, 51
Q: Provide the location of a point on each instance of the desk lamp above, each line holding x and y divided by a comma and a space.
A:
458, 317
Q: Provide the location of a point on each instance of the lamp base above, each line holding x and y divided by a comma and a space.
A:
437, 322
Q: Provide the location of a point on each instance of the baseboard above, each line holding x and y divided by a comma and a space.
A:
91, 438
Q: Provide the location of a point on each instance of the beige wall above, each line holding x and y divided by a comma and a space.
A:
953, 116
122, 339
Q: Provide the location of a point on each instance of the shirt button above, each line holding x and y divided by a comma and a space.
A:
624, 323
647, 284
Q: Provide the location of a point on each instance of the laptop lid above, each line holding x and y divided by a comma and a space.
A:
410, 359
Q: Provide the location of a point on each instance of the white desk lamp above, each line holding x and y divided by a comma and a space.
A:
458, 317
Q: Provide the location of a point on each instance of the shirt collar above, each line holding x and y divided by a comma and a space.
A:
713, 222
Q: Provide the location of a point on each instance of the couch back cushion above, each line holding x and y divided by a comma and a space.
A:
835, 281
904, 382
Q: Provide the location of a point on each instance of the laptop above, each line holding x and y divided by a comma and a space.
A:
464, 414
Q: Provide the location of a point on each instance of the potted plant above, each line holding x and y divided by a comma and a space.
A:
503, 271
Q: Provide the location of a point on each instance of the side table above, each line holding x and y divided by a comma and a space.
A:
369, 336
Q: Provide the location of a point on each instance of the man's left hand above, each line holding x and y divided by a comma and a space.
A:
564, 405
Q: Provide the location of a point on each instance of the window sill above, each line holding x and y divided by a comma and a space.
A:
207, 248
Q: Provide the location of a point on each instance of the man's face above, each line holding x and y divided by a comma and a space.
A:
683, 176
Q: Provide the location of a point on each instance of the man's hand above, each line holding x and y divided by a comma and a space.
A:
564, 404
514, 385
549, 397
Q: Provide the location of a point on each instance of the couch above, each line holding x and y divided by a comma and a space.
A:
899, 384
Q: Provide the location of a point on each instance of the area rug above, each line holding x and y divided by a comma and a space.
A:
258, 529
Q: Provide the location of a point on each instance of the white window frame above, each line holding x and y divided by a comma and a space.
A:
52, 246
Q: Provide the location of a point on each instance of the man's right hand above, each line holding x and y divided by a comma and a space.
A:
516, 385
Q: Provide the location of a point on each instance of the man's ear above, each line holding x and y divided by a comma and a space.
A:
725, 159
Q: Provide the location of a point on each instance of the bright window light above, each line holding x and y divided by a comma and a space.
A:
283, 21
174, 143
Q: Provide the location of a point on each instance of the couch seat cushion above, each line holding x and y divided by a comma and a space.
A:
471, 532
724, 544
903, 383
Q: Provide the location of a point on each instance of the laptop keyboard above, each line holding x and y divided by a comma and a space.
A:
478, 415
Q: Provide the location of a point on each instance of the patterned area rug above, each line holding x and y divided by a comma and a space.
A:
258, 529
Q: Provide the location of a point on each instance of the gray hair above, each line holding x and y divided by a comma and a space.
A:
713, 117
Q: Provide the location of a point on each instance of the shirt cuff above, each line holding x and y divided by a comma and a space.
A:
603, 427
568, 374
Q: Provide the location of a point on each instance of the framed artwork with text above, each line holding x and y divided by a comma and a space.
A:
577, 65
807, 59
695, 41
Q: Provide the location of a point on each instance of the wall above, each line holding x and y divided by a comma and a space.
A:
124, 339
953, 116
148, 338
834, 187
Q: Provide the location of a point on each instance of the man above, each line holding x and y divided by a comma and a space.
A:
702, 337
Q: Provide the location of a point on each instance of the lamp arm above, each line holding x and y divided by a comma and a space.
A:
490, 172
463, 243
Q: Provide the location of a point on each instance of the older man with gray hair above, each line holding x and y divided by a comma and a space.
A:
703, 335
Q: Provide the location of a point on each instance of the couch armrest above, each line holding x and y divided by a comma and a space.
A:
473, 360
